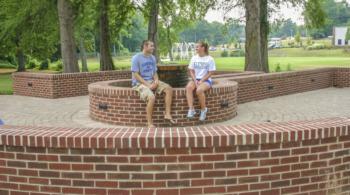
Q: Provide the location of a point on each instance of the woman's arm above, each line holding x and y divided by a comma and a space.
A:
207, 76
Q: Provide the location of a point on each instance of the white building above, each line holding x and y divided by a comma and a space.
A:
339, 36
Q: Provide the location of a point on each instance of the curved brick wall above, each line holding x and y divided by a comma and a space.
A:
250, 86
298, 158
60, 85
122, 105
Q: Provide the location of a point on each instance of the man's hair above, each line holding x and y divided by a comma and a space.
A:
145, 43
205, 45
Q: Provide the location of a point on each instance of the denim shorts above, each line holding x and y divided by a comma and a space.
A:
210, 83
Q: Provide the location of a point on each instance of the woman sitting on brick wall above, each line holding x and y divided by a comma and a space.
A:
201, 68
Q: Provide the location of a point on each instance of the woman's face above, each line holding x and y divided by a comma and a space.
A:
200, 49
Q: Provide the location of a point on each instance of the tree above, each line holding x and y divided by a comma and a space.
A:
68, 47
297, 38
348, 33
24, 32
253, 40
257, 27
114, 14
328, 13
283, 28
85, 28
153, 25
264, 33
137, 32
195, 9
106, 61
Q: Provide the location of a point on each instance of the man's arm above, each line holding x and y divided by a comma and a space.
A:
141, 80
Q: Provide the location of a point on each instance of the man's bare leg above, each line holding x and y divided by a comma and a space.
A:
168, 100
149, 110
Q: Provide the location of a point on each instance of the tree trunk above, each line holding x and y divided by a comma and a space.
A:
84, 67
264, 32
106, 61
252, 43
68, 48
170, 44
21, 60
153, 26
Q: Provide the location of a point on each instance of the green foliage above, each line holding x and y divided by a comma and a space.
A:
283, 28
4, 64
237, 53
224, 53
348, 33
314, 14
137, 32
215, 32
59, 66
297, 37
316, 46
44, 65
29, 25
337, 13
278, 68
289, 67
31, 65
309, 41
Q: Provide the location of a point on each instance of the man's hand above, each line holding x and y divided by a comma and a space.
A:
154, 85
156, 82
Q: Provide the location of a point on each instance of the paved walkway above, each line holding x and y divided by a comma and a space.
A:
74, 112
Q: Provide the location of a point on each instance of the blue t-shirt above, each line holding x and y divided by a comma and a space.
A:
144, 65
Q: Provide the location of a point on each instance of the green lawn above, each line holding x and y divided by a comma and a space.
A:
296, 63
237, 63
5, 84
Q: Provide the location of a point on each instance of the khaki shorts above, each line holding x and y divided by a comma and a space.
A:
146, 92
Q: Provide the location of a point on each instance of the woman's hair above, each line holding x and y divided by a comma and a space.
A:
145, 43
205, 45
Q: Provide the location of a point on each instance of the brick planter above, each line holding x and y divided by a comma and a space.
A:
115, 102
297, 158
60, 85
174, 75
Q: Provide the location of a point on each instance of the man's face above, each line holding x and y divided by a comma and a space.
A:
149, 48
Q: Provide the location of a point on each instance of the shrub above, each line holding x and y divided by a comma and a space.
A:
32, 63
278, 68
44, 65
59, 66
224, 54
237, 53
289, 67
4, 64
316, 46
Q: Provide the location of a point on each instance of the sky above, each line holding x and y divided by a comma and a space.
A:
294, 13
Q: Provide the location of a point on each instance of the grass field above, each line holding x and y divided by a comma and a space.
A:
294, 58
237, 63
5, 84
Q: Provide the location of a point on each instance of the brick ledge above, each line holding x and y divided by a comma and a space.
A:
204, 136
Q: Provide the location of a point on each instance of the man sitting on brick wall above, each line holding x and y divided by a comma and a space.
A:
145, 81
